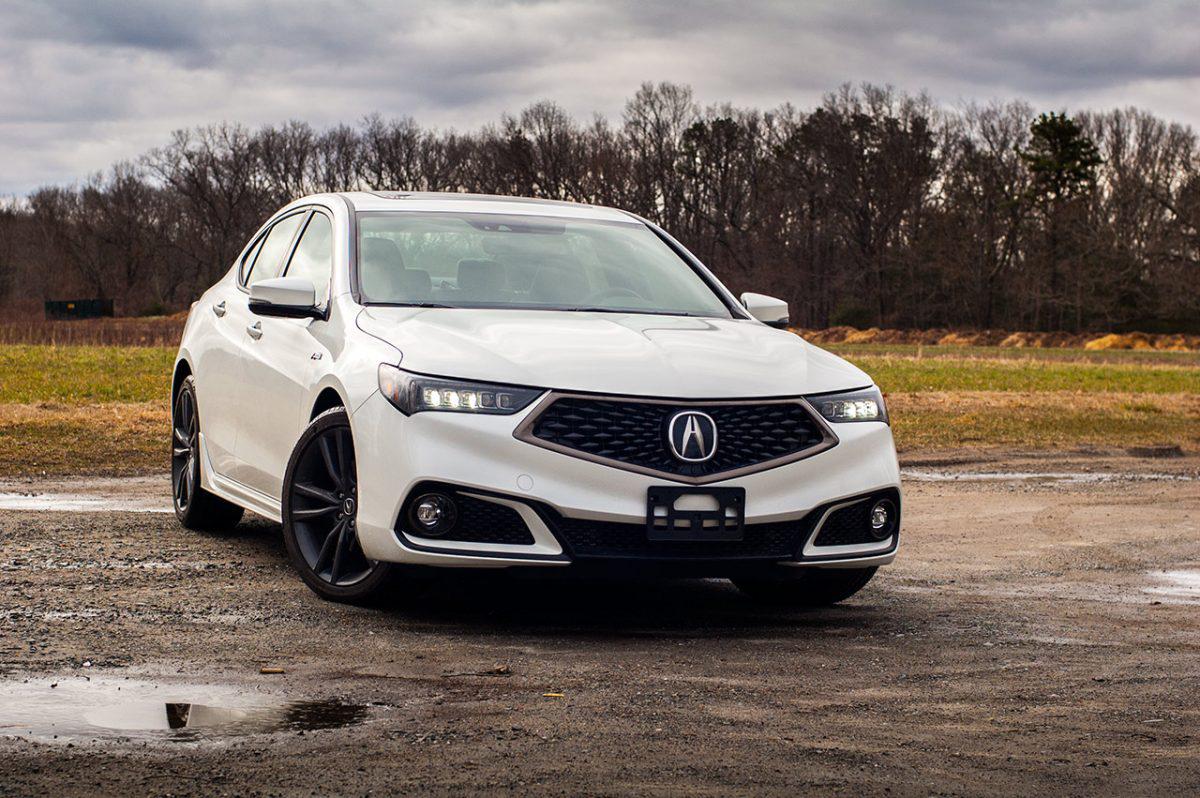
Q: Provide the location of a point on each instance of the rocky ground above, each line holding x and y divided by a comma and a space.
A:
1038, 633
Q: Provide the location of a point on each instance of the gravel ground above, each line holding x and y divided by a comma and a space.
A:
1035, 635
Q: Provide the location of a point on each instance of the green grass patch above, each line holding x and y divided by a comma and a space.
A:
103, 410
897, 374
1043, 421
1138, 357
87, 374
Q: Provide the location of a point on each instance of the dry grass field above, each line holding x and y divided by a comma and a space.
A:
103, 409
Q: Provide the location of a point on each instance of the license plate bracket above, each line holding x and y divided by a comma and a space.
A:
703, 513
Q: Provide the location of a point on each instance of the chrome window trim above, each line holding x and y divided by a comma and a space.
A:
263, 233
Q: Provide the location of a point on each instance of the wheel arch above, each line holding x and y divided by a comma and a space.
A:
183, 370
327, 398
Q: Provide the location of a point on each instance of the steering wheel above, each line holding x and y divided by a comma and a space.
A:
612, 293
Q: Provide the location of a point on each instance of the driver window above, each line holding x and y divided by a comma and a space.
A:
313, 257
274, 248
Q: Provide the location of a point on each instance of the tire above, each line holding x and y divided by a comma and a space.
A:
804, 587
320, 495
195, 507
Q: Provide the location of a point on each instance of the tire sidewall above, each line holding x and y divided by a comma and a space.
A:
185, 516
367, 587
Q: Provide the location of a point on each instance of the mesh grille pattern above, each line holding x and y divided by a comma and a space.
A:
487, 522
605, 539
481, 521
635, 432
848, 526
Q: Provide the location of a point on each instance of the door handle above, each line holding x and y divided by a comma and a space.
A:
255, 330
219, 308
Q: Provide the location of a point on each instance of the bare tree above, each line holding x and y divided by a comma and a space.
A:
876, 207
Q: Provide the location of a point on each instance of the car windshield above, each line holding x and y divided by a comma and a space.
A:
470, 260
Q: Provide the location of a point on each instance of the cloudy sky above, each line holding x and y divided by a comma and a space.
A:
86, 82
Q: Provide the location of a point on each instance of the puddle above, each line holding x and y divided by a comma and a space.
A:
126, 709
1066, 477
1180, 587
82, 503
94, 494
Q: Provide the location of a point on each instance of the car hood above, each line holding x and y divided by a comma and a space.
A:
621, 353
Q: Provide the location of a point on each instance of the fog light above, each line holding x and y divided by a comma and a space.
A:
433, 514
882, 519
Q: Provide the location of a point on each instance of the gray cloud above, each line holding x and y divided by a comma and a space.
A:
83, 84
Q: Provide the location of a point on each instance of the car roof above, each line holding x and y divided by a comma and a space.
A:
371, 201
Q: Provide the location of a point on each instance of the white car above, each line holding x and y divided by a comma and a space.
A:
455, 381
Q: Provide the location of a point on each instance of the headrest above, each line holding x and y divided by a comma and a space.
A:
382, 253
553, 284
480, 277
412, 284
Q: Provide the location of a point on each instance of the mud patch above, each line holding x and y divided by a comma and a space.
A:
76, 709
81, 503
1065, 477
1178, 586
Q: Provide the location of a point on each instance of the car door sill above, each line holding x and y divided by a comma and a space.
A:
234, 491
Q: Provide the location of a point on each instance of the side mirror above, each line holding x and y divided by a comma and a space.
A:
767, 309
290, 297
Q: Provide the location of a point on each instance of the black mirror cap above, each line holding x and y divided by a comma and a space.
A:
286, 311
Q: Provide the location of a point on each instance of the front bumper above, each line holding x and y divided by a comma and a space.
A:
479, 454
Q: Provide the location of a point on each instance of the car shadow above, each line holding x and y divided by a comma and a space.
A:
638, 606
564, 603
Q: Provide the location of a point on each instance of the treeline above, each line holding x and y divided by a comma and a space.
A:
875, 208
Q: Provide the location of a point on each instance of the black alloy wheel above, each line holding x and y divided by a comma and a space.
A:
185, 450
195, 507
320, 513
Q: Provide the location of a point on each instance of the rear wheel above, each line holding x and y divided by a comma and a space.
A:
320, 508
804, 587
195, 507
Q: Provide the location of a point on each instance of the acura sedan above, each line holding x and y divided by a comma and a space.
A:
417, 381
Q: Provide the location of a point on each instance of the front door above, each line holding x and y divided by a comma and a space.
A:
282, 360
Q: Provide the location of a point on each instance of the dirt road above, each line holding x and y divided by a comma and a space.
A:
1036, 635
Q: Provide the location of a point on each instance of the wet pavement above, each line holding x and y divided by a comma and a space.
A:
1035, 635
152, 494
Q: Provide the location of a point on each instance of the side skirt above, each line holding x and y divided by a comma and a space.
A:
234, 491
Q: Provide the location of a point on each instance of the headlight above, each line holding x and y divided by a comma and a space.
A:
866, 405
414, 393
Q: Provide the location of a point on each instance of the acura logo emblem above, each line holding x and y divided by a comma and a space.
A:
692, 436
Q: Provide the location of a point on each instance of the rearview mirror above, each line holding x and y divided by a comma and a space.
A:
767, 309
290, 297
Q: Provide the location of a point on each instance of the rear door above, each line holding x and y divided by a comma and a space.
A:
281, 362
218, 371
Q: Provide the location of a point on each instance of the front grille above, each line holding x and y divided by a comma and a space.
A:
589, 539
634, 433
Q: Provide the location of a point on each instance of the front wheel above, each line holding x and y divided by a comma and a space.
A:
804, 587
320, 508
